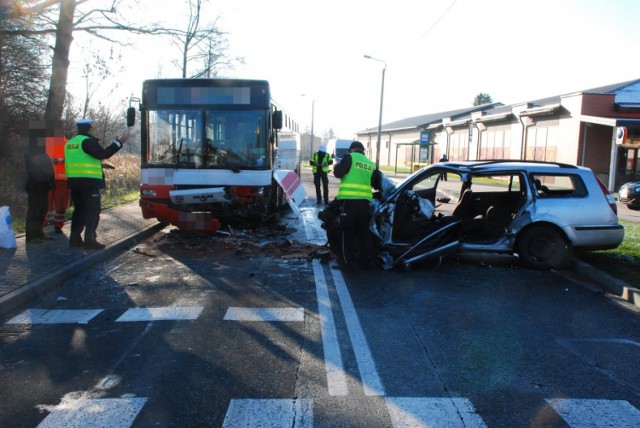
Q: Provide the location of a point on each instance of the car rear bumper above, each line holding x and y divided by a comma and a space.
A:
598, 237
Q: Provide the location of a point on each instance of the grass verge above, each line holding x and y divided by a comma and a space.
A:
623, 262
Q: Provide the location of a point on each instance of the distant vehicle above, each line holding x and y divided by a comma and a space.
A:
540, 211
288, 155
629, 194
338, 148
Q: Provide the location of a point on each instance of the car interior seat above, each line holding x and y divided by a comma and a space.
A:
541, 188
464, 209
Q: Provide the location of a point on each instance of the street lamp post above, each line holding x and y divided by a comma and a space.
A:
384, 69
313, 107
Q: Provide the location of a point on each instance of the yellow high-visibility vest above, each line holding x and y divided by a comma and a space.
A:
77, 163
356, 184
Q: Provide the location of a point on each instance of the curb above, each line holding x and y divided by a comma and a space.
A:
585, 272
36, 288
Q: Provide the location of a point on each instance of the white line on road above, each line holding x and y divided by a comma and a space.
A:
580, 413
161, 314
264, 314
336, 378
368, 373
104, 412
425, 412
55, 316
315, 234
269, 413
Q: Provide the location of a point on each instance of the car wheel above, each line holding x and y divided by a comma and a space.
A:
633, 207
543, 247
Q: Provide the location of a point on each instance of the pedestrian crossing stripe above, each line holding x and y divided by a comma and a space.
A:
55, 316
269, 413
103, 412
405, 412
264, 314
176, 313
595, 413
425, 412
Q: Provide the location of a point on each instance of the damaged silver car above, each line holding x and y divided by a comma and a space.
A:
540, 211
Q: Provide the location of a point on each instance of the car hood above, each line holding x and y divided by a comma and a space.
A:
631, 184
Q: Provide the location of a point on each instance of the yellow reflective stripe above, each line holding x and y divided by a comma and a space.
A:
364, 195
356, 186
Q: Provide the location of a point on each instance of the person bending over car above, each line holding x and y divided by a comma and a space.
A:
358, 175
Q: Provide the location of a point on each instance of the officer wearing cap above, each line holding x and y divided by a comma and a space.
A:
358, 175
83, 168
320, 162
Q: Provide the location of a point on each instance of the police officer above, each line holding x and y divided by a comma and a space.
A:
320, 162
358, 175
83, 168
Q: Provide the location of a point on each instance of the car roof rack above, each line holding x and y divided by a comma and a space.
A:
486, 162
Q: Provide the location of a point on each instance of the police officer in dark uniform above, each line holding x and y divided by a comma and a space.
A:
358, 175
83, 167
320, 162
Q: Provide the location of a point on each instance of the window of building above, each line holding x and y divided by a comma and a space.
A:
542, 143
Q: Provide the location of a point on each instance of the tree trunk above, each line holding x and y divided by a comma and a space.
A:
60, 65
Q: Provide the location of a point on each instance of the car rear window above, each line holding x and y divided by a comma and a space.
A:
497, 183
558, 185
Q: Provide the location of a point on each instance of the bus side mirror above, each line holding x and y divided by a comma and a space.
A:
131, 116
276, 121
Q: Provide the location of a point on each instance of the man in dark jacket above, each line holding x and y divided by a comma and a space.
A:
83, 167
40, 180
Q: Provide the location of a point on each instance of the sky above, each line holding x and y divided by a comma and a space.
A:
439, 54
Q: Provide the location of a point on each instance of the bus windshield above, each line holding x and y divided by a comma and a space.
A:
230, 139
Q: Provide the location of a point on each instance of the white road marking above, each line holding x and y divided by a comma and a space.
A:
336, 378
272, 413
264, 314
104, 412
596, 413
55, 316
315, 234
368, 373
161, 314
425, 412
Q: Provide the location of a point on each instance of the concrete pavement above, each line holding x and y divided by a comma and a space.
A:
33, 268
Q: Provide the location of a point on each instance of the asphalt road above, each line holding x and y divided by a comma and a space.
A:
246, 330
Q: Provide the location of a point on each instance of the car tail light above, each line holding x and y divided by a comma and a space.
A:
607, 194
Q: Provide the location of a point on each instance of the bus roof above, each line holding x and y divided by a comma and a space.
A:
206, 92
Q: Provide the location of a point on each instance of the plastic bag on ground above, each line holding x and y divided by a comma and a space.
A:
7, 236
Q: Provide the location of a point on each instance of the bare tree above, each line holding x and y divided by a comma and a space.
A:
95, 73
202, 44
23, 71
98, 22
